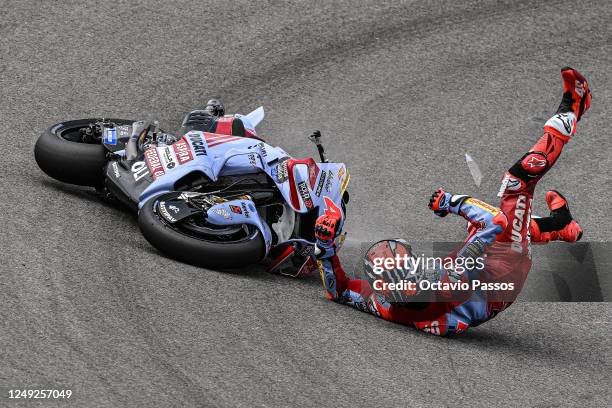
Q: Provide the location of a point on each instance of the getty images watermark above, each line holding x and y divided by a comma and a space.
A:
393, 268
556, 272
456, 267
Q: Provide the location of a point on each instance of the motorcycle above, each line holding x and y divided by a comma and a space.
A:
207, 199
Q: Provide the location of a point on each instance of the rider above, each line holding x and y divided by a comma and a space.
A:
508, 229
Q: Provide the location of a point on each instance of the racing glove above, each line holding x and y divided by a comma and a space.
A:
441, 202
327, 228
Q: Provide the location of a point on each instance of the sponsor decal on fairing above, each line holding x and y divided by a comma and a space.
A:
115, 167
262, 149
280, 171
182, 151
330, 179
154, 163
313, 172
168, 158
321, 183
110, 136
305, 194
222, 212
245, 210
341, 173
252, 159
215, 139
139, 170
198, 145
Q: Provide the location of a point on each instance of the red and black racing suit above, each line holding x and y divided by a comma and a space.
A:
505, 232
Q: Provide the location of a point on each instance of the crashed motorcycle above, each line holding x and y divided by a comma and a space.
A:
207, 199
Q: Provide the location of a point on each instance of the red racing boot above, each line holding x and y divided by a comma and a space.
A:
559, 226
576, 93
575, 102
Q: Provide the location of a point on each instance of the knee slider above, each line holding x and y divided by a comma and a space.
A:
530, 166
534, 163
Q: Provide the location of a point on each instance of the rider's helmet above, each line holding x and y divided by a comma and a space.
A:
215, 107
391, 262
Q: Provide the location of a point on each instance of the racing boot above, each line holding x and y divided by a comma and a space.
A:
575, 102
519, 182
559, 226
558, 130
576, 93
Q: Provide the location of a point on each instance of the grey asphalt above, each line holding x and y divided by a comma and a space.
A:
401, 91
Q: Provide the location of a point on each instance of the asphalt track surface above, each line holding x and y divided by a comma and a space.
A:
401, 91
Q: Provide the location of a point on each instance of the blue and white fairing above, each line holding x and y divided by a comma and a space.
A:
303, 183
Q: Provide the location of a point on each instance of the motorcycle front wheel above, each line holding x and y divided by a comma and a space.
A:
195, 241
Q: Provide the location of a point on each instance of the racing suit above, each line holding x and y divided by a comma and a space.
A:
504, 232
438, 317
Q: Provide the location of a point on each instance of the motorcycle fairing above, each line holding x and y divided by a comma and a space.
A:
251, 120
303, 183
309, 182
241, 211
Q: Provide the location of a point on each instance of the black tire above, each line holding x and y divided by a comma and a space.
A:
197, 251
71, 161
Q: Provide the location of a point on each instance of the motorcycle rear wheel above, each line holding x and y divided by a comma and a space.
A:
61, 153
